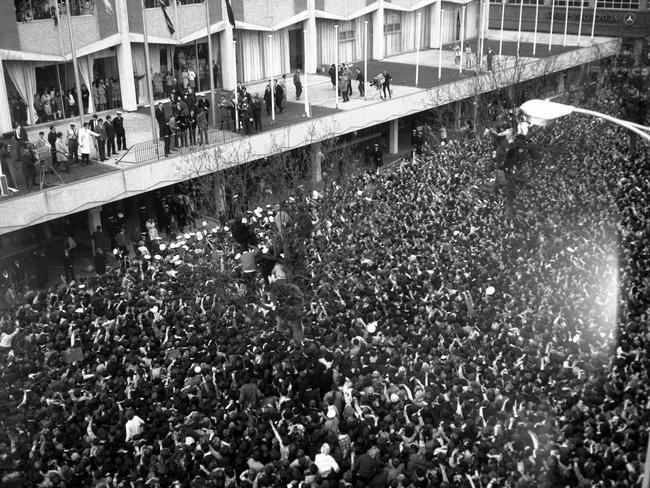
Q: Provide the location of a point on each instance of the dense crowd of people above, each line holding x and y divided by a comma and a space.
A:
450, 328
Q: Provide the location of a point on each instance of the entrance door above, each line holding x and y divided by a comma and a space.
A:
296, 50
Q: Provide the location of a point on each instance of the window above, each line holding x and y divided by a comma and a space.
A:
155, 3
392, 22
572, 3
346, 31
28, 10
527, 2
619, 4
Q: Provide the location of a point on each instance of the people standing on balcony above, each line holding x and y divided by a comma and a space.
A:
333, 74
120, 132
28, 161
202, 125
7, 164
361, 83
108, 86
297, 83
85, 97
268, 98
95, 94
73, 144
86, 139
109, 129
71, 102
257, 112
283, 84
468, 56
203, 105
101, 95
489, 57
21, 138
47, 106
343, 87
39, 108
279, 96
62, 150
387, 91
101, 139
51, 141
191, 126
457, 54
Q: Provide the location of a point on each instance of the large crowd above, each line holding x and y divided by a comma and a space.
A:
438, 337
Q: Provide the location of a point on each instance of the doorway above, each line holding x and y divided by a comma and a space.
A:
296, 50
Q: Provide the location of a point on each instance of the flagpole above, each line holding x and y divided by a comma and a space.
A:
417, 46
481, 17
535, 34
272, 79
442, 11
307, 111
75, 65
593, 21
365, 57
503, 14
521, 13
147, 62
213, 97
582, 9
234, 45
336, 65
462, 40
566, 22
550, 34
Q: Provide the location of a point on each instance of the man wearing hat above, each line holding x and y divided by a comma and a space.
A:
73, 143
120, 134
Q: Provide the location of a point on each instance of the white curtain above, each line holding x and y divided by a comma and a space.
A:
86, 69
410, 28
449, 22
280, 46
23, 76
327, 42
154, 55
139, 69
471, 20
252, 54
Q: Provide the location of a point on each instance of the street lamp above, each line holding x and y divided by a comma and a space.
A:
542, 112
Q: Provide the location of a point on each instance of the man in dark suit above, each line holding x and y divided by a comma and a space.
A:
160, 116
21, 138
110, 136
51, 140
101, 139
362, 83
120, 133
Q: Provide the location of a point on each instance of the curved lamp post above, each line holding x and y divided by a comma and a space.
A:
542, 112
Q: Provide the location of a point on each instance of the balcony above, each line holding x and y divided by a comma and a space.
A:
47, 37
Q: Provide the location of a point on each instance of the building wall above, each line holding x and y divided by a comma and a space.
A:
8, 27
609, 23
107, 22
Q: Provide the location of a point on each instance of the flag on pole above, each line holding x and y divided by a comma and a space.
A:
231, 15
108, 7
170, 25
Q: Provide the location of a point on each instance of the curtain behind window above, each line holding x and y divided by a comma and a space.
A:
23, 76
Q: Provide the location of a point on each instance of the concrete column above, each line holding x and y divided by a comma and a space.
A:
311, 49
5, 111
228, 59
94, 220
393, 136
378, 38
458, 113
124, 58
316, 163
434, 31
219, 192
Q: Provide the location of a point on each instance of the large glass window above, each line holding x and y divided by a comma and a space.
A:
28, 10
527, 2
346, 31
619, 4
392, 22
155, 3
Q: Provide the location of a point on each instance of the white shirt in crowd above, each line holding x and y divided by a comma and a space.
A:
325, 463
134, 427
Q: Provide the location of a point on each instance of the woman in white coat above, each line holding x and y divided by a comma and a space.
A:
86, 143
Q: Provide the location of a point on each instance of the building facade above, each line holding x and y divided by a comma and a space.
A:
268, 36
